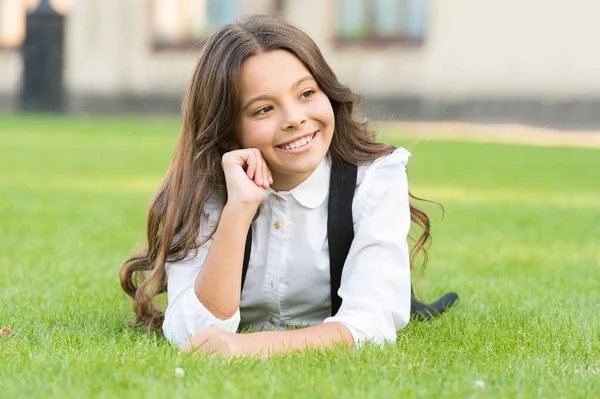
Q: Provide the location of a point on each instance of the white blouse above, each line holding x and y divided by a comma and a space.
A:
288, 282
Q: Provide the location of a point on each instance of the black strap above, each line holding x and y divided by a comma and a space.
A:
247, 251
340, 229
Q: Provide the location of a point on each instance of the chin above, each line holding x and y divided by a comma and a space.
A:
307, 165
299, 168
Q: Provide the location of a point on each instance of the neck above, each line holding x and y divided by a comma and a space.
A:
287, 182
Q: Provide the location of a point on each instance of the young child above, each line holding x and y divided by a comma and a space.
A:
265, 121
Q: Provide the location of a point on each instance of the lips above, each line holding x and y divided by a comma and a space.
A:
299, 142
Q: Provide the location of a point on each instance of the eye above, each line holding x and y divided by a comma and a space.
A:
308, 93
262, 110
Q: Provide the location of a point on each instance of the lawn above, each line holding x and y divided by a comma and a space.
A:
519, 241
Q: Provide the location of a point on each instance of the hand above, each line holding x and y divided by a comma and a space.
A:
247, 176
214, 342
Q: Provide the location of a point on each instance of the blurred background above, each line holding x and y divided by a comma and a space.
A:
534, 62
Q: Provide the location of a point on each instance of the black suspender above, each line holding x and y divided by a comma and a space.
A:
247, 250
340, 229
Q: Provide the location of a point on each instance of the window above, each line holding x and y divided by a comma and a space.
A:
382, 20
183, 23
12, 18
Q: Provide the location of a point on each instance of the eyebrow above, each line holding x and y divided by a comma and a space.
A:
265, 97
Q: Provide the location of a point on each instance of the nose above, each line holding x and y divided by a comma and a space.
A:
295, 117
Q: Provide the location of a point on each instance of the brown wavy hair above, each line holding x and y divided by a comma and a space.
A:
210, 111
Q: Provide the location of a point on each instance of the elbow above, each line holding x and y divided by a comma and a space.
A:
221, 311
383, 332
225, 315
173, 333
402, 320
372, 333
188, 316
374, 325
375, 337
222, 314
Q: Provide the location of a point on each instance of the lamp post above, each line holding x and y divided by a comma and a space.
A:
42, 53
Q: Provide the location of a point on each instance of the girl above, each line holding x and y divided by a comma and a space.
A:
264, 122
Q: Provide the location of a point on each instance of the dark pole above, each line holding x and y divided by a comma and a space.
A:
42, 52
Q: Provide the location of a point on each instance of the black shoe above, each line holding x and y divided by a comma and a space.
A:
424, 311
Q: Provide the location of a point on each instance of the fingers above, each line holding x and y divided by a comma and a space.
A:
191, 346
254, 164
260, 165
251, 162
211, 342
266, 182
261, 174
194, 343
268, 177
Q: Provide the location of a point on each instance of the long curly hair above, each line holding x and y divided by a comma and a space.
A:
210, 110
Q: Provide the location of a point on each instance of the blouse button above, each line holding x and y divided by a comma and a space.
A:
278, 197
277, 225
272, 320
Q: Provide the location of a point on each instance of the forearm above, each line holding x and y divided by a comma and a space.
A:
323, 336
218, 284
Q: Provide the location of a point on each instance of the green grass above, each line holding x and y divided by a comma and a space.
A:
520, 243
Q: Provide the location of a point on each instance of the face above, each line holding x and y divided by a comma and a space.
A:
285, 115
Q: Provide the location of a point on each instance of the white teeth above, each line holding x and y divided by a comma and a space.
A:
298, 143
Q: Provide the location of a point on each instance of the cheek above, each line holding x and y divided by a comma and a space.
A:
323, 110
256, 134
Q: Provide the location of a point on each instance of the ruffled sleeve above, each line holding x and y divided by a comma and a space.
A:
185, 314
375, 285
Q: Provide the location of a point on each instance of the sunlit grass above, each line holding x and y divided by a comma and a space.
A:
519, 241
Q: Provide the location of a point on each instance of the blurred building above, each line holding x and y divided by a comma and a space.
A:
534, 61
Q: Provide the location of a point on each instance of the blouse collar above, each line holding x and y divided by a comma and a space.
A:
312, 192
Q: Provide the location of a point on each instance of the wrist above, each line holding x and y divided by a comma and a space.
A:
251, 344
240, 211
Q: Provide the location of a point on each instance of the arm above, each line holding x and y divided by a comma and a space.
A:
204, 289
218, 285
185, 314
266, 343
202, 292
318, 337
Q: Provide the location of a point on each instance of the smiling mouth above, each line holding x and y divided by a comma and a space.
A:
298, 143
